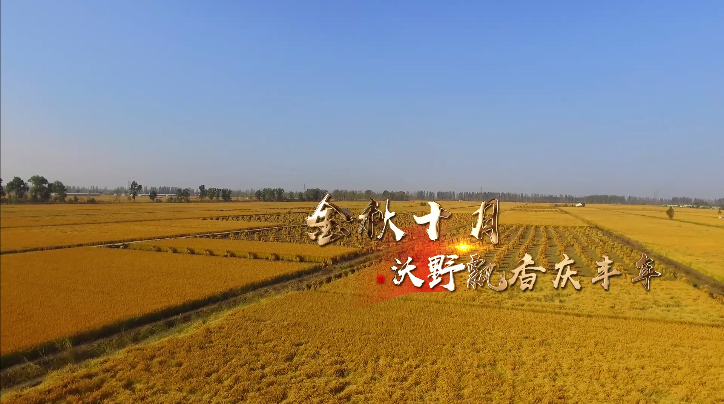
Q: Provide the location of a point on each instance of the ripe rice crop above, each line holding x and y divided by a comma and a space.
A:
323, 346
347, 341
64, 214
695, 245
708, 217
670, 300
48, 295
540, 218
54, 236
33, 215
25, 215
259, 249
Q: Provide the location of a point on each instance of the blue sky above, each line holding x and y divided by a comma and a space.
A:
554, 97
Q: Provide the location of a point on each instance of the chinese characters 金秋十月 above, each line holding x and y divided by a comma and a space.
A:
327, 229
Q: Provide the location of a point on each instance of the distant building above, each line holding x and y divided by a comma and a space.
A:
580, 205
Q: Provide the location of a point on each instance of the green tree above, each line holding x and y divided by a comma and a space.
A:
2, 190
153, 195
182, 195
135, 189
211, 193
226, 195
39, 189
315, 194
279, 194
202, 192
670, 212
300, 196
258, 194
59, 190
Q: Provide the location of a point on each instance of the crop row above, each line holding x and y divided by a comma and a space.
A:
542, 257
505, 249
287, 218
252, 250
580, 249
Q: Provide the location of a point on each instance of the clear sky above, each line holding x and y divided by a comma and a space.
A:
577, 97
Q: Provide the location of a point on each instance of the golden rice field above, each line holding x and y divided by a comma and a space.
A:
709, 217
260, 249
48, 295
55, 236
66, 214
351, 339
698, 246
323, 346
63, 214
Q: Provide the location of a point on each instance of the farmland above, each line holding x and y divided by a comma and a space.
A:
22, 238
693, 243
319, 346
260, 249
92, 287
343, 336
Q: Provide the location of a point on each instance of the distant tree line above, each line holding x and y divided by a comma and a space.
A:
39, 189
542, 198
223, 194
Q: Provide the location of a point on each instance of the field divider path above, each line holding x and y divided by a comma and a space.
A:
697, 278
